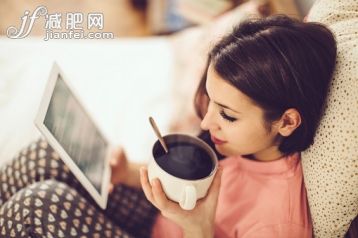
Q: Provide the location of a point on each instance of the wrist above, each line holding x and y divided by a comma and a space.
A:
198, 232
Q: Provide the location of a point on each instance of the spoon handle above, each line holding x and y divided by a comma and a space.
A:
160, 138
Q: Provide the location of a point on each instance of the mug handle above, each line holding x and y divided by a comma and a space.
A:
188, 197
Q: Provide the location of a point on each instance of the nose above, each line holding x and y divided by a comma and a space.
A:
208, 122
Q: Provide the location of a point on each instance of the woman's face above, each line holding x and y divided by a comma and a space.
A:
235, 123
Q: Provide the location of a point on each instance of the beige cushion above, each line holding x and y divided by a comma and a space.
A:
330, 165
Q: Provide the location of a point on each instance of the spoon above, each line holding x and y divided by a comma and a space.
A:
157, 132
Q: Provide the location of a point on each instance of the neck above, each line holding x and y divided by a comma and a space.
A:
268, 154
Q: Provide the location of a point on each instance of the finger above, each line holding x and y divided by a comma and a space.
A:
159, 195
117, 154
113, 162
120, 152
147, 188
114, 157
115, 151
110, 188
160, 198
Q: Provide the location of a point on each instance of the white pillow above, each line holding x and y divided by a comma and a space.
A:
330, 165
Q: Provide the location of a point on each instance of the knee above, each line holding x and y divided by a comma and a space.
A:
32, 210
47, 194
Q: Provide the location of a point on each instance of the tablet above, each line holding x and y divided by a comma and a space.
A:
74, 135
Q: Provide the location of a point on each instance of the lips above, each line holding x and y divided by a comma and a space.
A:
217, 141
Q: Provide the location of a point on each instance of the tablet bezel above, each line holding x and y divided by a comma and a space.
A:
100, 198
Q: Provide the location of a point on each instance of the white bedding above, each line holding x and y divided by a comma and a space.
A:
121, 82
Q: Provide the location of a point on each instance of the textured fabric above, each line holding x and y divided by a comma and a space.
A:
52, 209
40, 197
330, 165
257, 199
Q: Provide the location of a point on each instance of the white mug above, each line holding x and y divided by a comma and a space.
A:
184, 191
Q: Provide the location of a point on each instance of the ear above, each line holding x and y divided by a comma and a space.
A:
290, 120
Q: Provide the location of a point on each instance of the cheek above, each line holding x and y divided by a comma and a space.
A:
236, 141
239, 134
246, 139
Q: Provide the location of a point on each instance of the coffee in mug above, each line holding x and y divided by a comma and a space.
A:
186, 171
184, 160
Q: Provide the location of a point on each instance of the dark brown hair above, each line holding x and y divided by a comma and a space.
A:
280, 63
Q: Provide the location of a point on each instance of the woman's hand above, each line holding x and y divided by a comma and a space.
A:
198, 222
123, 171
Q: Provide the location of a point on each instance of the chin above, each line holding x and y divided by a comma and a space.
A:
223, 151
227, 152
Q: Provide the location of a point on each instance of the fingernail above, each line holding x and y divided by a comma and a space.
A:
141, 170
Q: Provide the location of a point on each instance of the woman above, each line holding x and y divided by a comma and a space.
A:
260, 98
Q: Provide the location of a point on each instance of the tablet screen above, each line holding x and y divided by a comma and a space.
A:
69, 123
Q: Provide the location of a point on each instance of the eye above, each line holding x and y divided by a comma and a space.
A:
226, 117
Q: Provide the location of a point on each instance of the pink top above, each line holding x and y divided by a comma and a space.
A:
257, 199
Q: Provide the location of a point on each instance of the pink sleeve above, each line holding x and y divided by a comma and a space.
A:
280, 231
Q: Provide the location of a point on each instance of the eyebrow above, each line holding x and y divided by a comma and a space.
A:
224, 106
